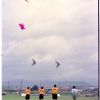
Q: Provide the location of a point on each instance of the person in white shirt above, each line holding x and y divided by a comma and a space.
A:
74, 93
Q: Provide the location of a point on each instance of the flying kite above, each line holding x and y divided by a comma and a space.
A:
57, 64
34, 62
21, 26
26, 0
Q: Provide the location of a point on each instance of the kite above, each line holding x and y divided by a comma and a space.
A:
33, 62
57, 64
26, 0
21, 26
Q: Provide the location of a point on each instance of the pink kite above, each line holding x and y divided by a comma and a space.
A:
21, 26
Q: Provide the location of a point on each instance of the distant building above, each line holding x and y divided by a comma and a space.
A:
46, 87
10, 88
65, 88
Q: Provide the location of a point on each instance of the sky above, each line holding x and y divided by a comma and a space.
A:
55, 30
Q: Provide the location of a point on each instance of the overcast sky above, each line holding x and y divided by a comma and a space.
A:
61, 30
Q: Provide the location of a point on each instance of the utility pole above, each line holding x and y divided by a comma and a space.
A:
8, 83
20, 88
59, 86
65, 83
40, 84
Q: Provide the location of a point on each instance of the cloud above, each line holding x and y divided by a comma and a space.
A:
55, 30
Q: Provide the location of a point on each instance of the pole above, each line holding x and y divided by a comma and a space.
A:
65, 83
8, 83
40, 84
20, 88
59, 86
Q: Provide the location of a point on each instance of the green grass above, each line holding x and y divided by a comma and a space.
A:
17, 97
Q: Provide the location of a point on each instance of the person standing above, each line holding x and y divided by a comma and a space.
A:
41, 93
54, 93
74, 93
27, 91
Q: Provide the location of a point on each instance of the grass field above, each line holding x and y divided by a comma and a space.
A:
17, 97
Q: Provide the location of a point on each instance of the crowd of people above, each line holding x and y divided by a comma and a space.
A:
54, 93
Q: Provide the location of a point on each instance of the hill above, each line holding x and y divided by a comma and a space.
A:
48, 83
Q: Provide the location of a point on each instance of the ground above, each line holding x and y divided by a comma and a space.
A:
17, 97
